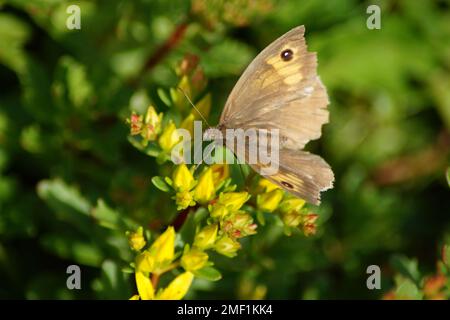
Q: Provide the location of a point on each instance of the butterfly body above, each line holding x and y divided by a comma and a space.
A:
280, 90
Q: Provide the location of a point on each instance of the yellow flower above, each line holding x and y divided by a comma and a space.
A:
269, 201
266, 185
204, 191
193, 259
152, 124
163, 249
184, 199
152, 118
227, 246
205, 238
239, 225
144, 286
291, 219
291, 204
188, 123
220, 172
219, 211
169, 137
136, 239
134, 297
178, 288
233, 200
145, 262
182, 178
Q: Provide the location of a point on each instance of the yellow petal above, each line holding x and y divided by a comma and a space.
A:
163, 249
205, 238
145, 262
188, 123
144, 286
135, 297
269, 201
178, 288
193, 259
233, 200
267, 185
169, 137
204, 191
182, 178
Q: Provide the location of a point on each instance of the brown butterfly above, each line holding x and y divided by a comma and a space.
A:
280, 90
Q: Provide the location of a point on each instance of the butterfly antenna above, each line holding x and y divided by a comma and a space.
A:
187, 97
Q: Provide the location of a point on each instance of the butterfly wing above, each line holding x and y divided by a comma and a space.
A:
301, 173
277, 93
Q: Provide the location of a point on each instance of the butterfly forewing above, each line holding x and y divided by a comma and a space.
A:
280, 90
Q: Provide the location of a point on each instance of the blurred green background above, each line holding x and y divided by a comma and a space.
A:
71, 183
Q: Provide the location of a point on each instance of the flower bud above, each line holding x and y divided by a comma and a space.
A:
291, 204
184, 199
169, 137
291, 219
205, 190
163, 249
309, 224
182, 178
205, 238
227, 246
233, 200
136, 239
193, 259
152, 124
136, 124
269, 201
219, 211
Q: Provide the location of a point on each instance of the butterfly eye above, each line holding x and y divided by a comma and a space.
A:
287, 184
287, 55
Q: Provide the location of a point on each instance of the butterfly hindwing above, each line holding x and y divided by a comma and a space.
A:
303, 174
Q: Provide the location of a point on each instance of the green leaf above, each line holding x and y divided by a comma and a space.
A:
208, 273
72, 247
407, 289
407, 267
260, 217
160, 184
113, 283
446, 255
164, 97
110, 218
62, 197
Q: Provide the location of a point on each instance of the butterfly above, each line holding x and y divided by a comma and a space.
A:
280, 89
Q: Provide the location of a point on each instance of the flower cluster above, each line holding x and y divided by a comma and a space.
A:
230, 214
156, 132
227, 222
291, 210
158, 259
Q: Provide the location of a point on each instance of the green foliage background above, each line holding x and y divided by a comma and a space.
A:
71, 184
